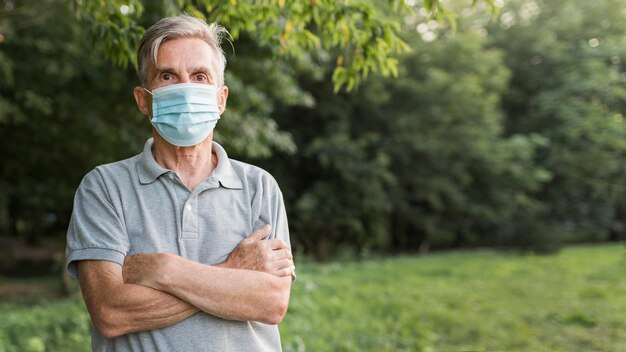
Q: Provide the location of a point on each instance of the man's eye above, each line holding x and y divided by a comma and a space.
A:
201, 77
166, 77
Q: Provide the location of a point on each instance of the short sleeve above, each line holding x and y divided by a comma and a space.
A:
96, 230
273, 212
281, 231
280, 224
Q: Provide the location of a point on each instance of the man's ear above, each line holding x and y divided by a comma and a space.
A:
144, 103
222, 96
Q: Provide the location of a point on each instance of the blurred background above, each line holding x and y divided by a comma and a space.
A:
454, 171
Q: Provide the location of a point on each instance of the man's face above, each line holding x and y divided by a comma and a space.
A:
188, 60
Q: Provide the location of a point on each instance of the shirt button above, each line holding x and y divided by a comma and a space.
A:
188, 207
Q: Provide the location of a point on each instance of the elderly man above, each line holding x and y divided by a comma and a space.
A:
181, 248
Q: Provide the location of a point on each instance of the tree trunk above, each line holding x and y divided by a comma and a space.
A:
322, 248
34, 232
13, 214
424, 245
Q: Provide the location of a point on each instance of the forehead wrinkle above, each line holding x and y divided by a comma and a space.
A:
162, 69
200, 69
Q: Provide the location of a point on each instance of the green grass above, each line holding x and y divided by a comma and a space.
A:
455, 301
463, 301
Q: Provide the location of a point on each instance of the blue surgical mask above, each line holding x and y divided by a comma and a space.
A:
184, 114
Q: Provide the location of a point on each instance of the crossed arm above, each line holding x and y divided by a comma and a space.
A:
152, 291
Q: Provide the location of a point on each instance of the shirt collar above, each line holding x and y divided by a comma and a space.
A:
148, 170
224, 172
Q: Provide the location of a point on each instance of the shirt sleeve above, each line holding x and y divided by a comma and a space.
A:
273, 212
281, 230
96, 230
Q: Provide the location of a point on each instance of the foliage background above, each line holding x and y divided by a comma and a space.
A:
387, 130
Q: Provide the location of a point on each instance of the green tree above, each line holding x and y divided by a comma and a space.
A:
337, 184
460, 180
70, 110
403, 163
62, 111
274, 39
566, 58
363, 31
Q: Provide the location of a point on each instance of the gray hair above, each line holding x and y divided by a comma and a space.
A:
178, 27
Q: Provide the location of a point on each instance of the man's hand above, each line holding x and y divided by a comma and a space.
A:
270, 256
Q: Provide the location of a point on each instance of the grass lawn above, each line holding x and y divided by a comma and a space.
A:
463, 301
453, 301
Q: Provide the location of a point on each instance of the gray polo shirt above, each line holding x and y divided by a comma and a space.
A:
137, 206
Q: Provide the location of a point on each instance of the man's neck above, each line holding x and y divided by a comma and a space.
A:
192, 164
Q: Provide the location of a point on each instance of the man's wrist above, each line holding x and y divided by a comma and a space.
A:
165, 272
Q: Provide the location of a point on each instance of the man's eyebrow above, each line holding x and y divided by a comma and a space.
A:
201, 69
160, 70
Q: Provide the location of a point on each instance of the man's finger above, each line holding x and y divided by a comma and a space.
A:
276, 244
283, 263
286, 271
282, 253
260, 233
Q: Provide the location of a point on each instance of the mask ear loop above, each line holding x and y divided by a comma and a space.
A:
149, 92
